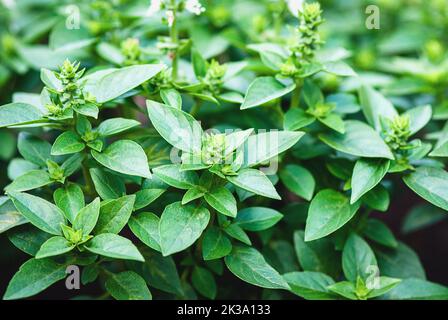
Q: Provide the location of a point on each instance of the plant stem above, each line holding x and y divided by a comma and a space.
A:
195, 108
295, 98
174, 39
88, 179
278, 23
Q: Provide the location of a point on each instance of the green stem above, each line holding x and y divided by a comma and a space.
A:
90, 189
174, 39
295, 98
196, 107
278, 23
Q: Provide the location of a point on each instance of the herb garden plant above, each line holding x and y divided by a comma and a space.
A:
184, 149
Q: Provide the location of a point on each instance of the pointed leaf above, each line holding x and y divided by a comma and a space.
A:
124, 156
41, 213
113, 246
250, 266
180, 226
328, 212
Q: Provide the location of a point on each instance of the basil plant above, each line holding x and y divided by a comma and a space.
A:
180, 149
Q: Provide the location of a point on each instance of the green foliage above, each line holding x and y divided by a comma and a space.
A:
244, 145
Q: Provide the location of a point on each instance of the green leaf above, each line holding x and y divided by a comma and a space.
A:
72, 164
110, 52
172, 98
419, 117
344, 288
192, 194
310, 285
440, 150
231, 97
28, 238
53, 247
418, 289
70, 199
87, 109
107, 185
400, 262
178, 128
67, 143
204, 282
34, 276
378, 198
265, 146
250, 266
359, 140
431, 184
127, 285
124, 156
374, 105
18, 113
255, 181
41, 213
339, 68
159, 272
180, 226
30, 180
9, 216
236, 232
18, 167
328, 211
312, 93
280, 254
114, 126
345, 103
318, 255
8, 146
114, 215
257, 218
235, 139
222, 200
263, 90
358, 259
199, 63
367, 173
50, 80
272, 56
172, 175
422, 216
215, 244
113, 246
87, 217
34, 149
298, 180
145, 197
377, 231
296, 119
385, 284
145, 226
89, 274
115, 82
334, 121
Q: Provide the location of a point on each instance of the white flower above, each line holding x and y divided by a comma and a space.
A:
194, 6
170, 17
154, 7
295, 6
